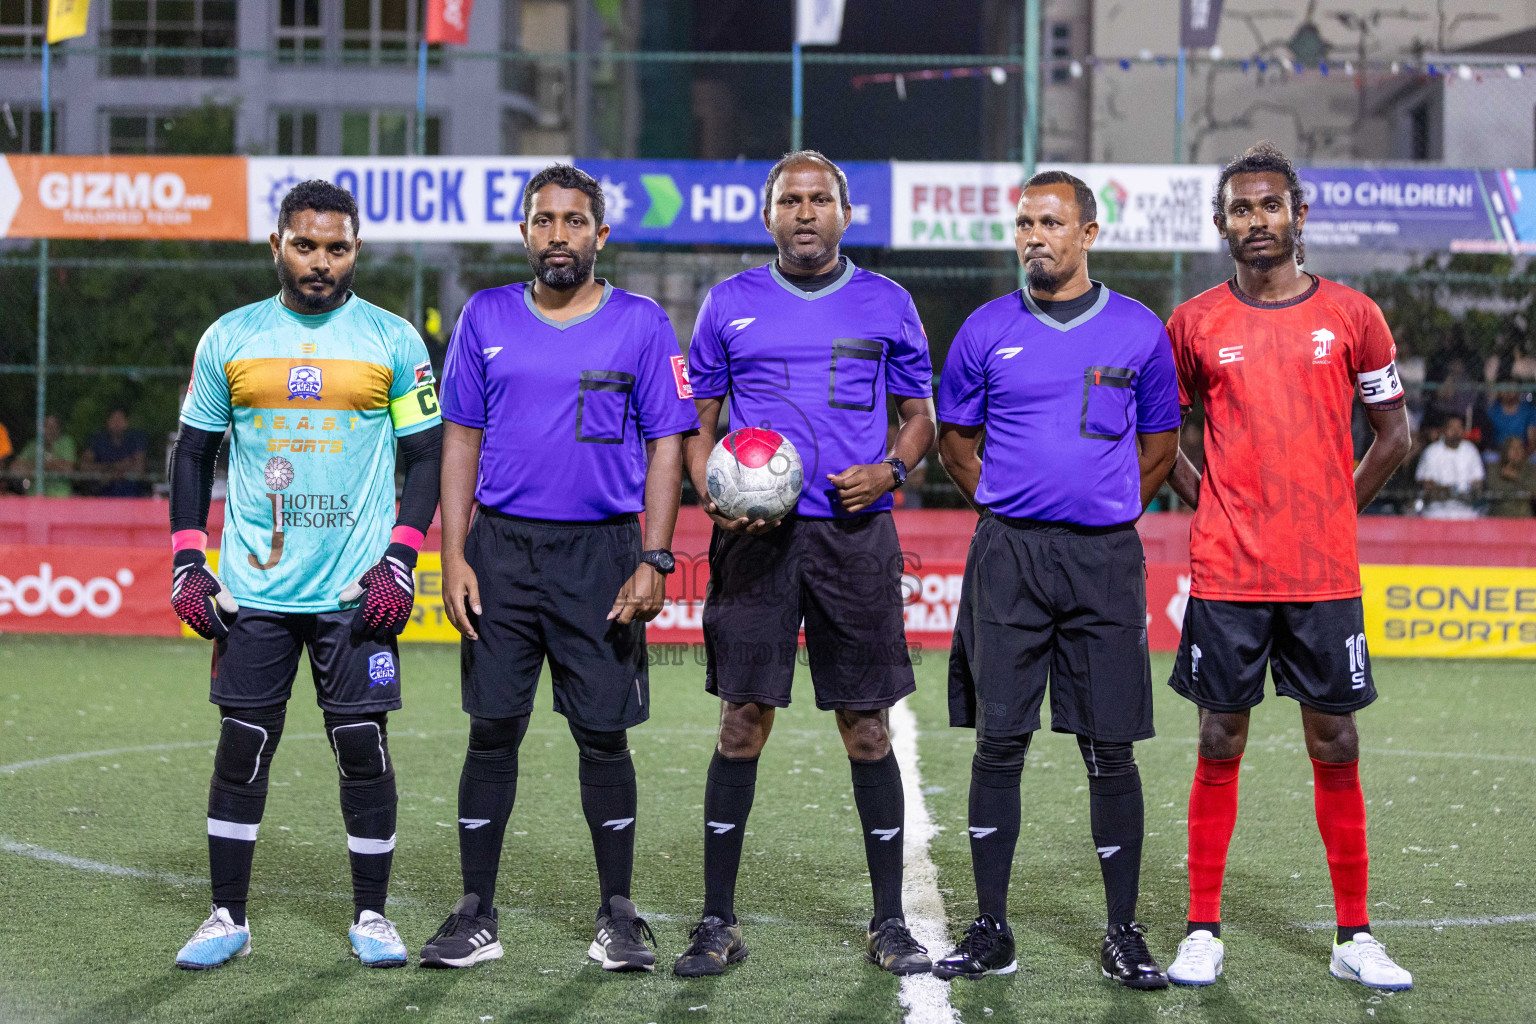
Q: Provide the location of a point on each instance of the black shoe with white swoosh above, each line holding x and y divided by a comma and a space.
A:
466, 938
621, 939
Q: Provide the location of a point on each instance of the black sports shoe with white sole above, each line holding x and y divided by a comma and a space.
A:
1126, 959
892, 947
712, 946
987, 948
621, 939
465, 939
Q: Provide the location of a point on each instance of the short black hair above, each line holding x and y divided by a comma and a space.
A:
1263, 158
1087, 206
566, 176
805, 156
318, 195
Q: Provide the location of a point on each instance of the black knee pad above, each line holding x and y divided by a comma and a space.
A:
361, 745
999, 760
494, 738
247, 739
605, 759
1111, 766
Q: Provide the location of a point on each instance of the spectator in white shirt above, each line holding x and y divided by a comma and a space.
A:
1451, 473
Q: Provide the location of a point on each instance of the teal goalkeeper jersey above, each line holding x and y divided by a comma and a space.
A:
315, 403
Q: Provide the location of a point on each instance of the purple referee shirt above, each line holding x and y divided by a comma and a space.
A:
814, 366
566, 407
1062, 405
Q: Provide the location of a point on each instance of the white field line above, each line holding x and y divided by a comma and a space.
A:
96, 866
1433, 922
925, 998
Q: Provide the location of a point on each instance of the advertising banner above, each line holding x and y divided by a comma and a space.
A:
1431, 209
116, 197
406, 199
58, 589
1141, 207
1444, 611
721, 201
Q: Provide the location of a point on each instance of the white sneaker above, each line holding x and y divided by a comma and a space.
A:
1365, 960
216, 941
375, 941
1199, 959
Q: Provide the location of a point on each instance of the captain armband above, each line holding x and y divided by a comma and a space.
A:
416, 406
1383, 385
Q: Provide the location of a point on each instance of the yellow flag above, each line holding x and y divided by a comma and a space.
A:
66, 19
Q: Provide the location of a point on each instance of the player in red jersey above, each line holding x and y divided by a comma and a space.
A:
1276, 355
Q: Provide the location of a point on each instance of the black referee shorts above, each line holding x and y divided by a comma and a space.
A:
255, 665
842, 578
1315, 650
545, 591
1058, 601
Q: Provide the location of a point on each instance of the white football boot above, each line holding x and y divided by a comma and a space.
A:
1199, 959
1365, 960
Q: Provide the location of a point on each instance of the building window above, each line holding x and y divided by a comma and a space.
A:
298, 133
21, 129
185, 24
300, 35
1418, 132
1061, 51
204, 130
387, 133
385, 32
21, 28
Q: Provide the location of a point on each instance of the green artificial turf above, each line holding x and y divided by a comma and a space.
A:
89, 934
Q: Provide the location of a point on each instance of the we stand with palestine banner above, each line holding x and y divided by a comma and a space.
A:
897, 205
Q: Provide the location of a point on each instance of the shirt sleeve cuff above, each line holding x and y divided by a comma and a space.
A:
463, 420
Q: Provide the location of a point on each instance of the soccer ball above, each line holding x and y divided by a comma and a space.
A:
756, 473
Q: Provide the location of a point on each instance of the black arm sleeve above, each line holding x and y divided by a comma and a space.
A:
420, 456
192, 461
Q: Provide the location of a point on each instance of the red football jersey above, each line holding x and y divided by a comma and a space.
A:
1276, 520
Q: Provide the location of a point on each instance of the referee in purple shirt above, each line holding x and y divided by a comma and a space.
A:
564, 402
810, 346
1074, 389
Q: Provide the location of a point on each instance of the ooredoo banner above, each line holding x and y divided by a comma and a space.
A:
121, 197
58, 589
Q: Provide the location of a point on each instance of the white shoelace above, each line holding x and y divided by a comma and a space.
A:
1373, 952
381, 929
214, 928
1201, 951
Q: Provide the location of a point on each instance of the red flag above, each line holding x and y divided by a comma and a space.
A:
448, 21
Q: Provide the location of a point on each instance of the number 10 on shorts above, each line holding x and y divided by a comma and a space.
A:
1356, 647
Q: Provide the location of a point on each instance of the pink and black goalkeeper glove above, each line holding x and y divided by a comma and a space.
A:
199, 597
388, 592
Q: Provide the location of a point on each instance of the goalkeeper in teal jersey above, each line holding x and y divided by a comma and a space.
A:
318, 390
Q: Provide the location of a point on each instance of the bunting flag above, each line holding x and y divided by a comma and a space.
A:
818, 22
447, 21
66, 19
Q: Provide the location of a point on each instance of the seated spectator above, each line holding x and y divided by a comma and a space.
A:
59, 456
1512, 489
5, 445
1451, 473
1456, 395
118, 454
1511, 414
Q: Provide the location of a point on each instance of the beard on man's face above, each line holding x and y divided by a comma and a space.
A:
1288, 239
297, 285
567, 276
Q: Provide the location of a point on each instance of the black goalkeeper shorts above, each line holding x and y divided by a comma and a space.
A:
255, 666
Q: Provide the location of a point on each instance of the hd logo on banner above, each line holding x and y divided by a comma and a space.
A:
406, 199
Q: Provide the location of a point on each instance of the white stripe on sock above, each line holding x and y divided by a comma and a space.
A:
357, 844
232, 830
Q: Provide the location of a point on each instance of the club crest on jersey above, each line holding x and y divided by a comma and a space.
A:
1324, 340
304, 382
381, 669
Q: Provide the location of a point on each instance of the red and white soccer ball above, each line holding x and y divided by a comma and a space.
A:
755, 473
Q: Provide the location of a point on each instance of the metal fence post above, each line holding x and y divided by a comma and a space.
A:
39, 463
1028, 150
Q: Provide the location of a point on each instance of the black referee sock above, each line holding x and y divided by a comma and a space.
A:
608, 800
1117, 817
994, 819
487, 791
728, 794
237, 797
882, 813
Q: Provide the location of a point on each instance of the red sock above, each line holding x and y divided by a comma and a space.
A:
1212, 815
1341, 819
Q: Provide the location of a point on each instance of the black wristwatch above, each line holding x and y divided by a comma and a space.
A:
661, 560
899, 468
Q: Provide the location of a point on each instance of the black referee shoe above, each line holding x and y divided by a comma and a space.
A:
1126, 959
466, 938
621, 937
893, 948
986, 949
714, 946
